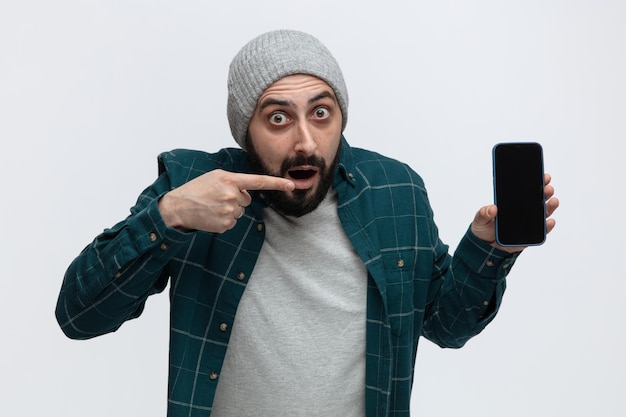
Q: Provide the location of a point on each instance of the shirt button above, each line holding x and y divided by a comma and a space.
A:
259, 227
213, 376
241, 276
153, 237
485, 303
351, 176
400, 263
164, 246
223, 327
118, 274
490, 262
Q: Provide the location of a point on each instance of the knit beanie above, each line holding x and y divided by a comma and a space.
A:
270, 57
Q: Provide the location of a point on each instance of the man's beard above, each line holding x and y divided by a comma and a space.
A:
299, 202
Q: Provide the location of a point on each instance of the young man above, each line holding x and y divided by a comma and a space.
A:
302, 271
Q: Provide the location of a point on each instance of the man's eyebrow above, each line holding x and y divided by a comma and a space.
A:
324, 94
285, 103
274, 102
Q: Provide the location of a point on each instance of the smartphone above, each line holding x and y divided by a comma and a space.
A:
518, 183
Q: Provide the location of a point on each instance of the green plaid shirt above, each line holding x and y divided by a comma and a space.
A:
415, 288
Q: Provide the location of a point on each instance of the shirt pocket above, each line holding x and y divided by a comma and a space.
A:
399, 268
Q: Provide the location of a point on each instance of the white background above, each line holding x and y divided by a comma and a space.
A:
92, 91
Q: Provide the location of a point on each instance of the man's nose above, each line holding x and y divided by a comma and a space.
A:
305, 139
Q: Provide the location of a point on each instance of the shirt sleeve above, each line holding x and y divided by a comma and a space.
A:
466, 290
109, 282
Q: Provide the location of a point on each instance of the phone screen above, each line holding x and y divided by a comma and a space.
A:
519, 194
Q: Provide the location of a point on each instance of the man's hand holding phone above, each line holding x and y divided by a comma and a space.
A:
484, 226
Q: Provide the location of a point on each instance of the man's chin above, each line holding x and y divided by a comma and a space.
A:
295, 203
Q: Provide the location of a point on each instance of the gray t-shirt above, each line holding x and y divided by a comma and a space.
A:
298, 341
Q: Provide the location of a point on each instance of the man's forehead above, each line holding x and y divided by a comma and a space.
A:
301, 86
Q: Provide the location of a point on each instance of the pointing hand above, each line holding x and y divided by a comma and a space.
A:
214, 201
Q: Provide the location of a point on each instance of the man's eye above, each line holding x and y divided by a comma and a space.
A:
321, 112
278, 119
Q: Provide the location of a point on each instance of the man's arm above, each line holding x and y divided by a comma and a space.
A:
466, 290
110, 280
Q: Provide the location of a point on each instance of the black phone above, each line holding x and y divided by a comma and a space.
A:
518, 182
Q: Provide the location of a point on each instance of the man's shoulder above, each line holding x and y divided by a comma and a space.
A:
189, 163
380, 168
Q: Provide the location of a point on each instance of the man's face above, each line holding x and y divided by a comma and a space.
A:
295, 133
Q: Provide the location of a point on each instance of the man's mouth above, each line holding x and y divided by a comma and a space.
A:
303, 176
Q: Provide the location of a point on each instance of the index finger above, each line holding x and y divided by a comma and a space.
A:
263, 182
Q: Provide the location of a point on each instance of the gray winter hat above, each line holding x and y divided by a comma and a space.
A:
270, 57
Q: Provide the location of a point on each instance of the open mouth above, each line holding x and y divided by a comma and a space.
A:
303, 176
